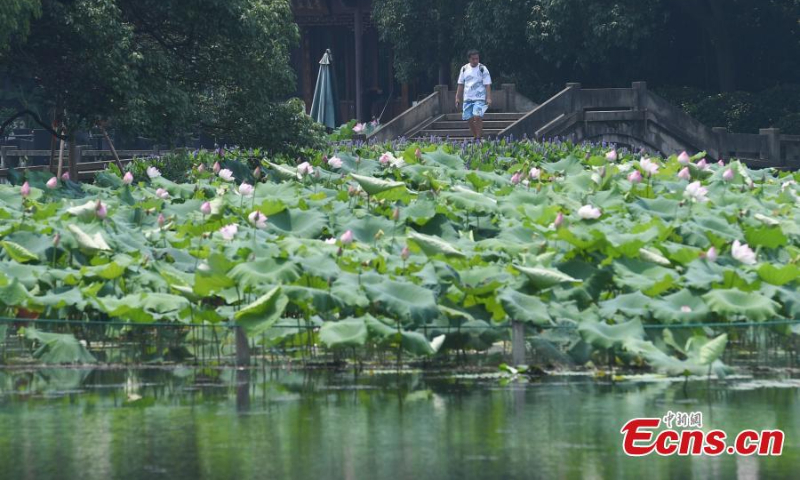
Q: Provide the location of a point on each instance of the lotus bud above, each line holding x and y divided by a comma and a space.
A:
205, 208
711, 254
52, 183
127, 179
684, 158
418, 153
728, 175
405, 253
347, 237
351, 190
378, 235
65, 176
257, 173
396, 214
25, 190
559, 220
721, 163
161, 220
100, 210
702, 164
201, 168
217, 168
635, 176
515, 179
684, 174
56, 239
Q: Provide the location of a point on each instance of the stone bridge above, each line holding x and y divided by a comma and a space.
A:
632, 117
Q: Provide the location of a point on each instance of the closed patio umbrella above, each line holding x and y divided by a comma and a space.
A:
323, 107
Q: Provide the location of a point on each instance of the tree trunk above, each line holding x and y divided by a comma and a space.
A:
73, 157
710, 15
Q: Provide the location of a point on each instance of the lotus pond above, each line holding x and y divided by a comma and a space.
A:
420, 249
199, 424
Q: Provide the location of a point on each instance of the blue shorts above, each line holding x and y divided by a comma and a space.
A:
473, 108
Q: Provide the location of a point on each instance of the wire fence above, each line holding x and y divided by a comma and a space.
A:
767, 343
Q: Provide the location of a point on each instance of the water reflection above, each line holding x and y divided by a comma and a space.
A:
278, 423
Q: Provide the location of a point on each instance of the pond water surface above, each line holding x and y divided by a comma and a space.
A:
221, 423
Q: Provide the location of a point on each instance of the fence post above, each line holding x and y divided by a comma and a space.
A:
442, 90
5, 159
242, 347
773, 144
511, 96
517, 343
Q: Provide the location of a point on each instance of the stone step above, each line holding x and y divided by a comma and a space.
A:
489, 116
461, 132
448, 124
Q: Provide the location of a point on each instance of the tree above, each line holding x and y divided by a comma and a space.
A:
15, 19
164, 68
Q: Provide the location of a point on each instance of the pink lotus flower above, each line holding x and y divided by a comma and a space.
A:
100, 210
405, 253
335, 162
162, 194
347, 237
721, 163
65, 176
649, 166
161, 220
226, 175
516, 178
743, 253
684, 174
201, 168
359, 127
635, 176
559, 220
229, 231
711, 254
245, 189
728, 175
217, 167
684, 158
702, 164
127, 179
588, 212
52, 183
153, 172
258, 219
305, 168
25, 190
611, 156
386, 158
205, 208
535, 173
695, 191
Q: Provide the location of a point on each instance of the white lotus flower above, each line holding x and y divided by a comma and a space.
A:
304, 168
649, 166
162, 194
258, 219
535, 173
335, 162
229, 231
153, 172
226, 175
588, 212
245, 189
686, 309
611, 156
331, 241
711, 254
696, 192
743, 253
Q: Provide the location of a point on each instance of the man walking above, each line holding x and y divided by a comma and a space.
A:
475, 92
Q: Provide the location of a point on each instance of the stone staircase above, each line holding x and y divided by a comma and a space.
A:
451, 126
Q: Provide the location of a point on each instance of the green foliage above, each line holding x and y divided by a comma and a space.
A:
451, 269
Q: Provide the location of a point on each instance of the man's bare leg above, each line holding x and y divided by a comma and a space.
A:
478, 127
471, 123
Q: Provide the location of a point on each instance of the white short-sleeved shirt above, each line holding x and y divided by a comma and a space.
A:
474, 81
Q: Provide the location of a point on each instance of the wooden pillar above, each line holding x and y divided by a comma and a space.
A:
517, 343
359, 63
242, 348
